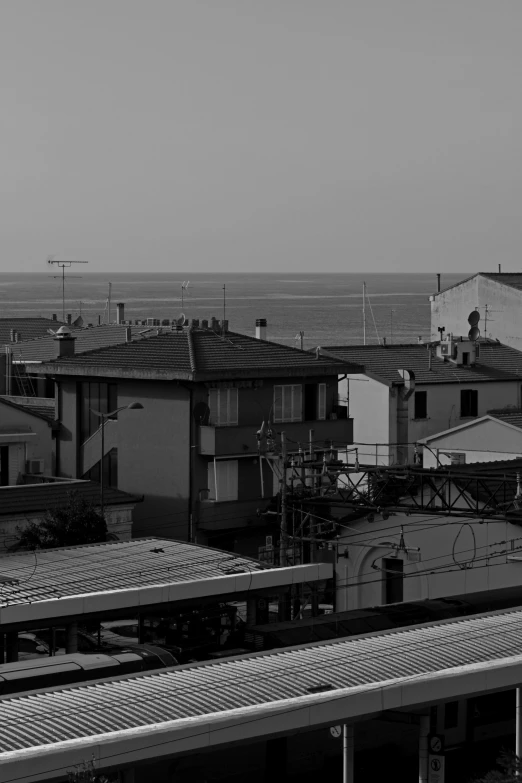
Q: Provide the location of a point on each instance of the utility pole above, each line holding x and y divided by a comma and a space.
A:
283, 540
364, 313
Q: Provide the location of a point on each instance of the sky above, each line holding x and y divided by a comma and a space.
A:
261, 135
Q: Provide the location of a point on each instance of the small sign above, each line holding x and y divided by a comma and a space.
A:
436, 769
336, 731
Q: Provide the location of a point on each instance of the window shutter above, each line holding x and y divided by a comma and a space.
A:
232, 406
231, 479
213, 401
278, 403
211, 482
223, 407
321, 401
297, 406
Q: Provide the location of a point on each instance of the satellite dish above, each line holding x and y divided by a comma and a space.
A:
473, 318
474, 333
201, 413
182, 320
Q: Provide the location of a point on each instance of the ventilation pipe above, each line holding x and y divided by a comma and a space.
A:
120, 313
53, 317
261, 329
64, 340
438, 282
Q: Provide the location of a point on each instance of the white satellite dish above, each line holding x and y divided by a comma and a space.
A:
182, 320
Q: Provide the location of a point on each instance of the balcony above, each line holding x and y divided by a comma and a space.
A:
229, 441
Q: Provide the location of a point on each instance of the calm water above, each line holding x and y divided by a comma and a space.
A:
328, 308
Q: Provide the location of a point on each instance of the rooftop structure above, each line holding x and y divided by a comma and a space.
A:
25, 328
181, 710
135, 574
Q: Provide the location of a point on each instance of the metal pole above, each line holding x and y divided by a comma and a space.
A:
102, 509
518, 732
364, 313
284, 527
348, 753
424, 731
63, 293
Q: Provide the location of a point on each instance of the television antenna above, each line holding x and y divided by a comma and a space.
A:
184, 291
63, 265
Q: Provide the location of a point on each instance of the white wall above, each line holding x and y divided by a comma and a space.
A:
451, 309
369, 407
432, 573
483, 441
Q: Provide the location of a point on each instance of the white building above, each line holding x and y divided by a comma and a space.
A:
405, 393
496, 296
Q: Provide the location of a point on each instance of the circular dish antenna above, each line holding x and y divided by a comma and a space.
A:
474, 333
182, 320
473, 318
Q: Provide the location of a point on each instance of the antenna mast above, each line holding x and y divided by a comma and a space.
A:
224, 301
364, 313
63, 265
109, 304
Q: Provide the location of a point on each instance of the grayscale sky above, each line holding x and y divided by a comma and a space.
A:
237, 135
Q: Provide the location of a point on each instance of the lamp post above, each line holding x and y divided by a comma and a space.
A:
132, 406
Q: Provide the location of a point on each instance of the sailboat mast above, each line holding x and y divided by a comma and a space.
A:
364, 313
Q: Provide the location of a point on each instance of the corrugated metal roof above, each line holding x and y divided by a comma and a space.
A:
114, 565
197, 354
497, 362
286, 676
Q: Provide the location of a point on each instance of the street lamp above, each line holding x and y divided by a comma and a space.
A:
132, 406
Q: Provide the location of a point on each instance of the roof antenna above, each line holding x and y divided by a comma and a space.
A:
184, 290
224, 302
63, 265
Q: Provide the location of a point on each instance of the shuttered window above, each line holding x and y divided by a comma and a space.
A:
223, 404
321, 400
225, 470
288, 405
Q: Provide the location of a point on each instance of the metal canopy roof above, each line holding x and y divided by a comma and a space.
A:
199, 706
53, 583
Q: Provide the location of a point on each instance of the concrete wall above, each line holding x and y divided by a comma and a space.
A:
432, 573
482, 441
451, 309
37, 444
369, 406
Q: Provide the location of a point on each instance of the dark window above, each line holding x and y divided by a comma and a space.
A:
468, 403
465, 358
310, 401
393, 573
102, 397
451, 715
420, 399
4, 466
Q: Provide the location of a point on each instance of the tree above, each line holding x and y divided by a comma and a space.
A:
77, 522
509, 765
86, 773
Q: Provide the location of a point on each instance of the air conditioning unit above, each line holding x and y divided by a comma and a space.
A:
447, 348
35, 466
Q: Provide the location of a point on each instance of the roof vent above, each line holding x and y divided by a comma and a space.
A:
261, 328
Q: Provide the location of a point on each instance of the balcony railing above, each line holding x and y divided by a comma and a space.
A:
229, 441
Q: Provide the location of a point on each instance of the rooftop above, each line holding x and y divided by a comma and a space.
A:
511, 279
27, 498
181, 709
42, 407
43, 347
27, 328
118, 574
509, 415
497, 362
196, 354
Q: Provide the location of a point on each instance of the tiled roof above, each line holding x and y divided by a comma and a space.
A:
497, 362
44, 348
512, 279
38, 408
28, 498
27, 328
197, 354
182, 709
509, 415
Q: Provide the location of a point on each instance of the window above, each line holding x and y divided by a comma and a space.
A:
468, 403
4, 466
223, 407
393, 577
102, 397
420, 404
224, 473
314, 401
451, 715
288, 403
465, 358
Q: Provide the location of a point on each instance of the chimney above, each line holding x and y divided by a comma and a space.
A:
120, 312
500, 269
64, 342
69, 318
261, 329
128, 334
53, 317
195, 323
16, 337
438, 282
204, 323
224, 325
213, 324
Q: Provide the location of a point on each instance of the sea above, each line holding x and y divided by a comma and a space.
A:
327, 308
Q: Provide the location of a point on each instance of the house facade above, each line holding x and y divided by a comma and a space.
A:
497, 296
193, 449
407, 393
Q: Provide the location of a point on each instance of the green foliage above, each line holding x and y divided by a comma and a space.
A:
86, 773
77, 522
509, 766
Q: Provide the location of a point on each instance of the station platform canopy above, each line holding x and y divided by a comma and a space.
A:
131, 576
184, 709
